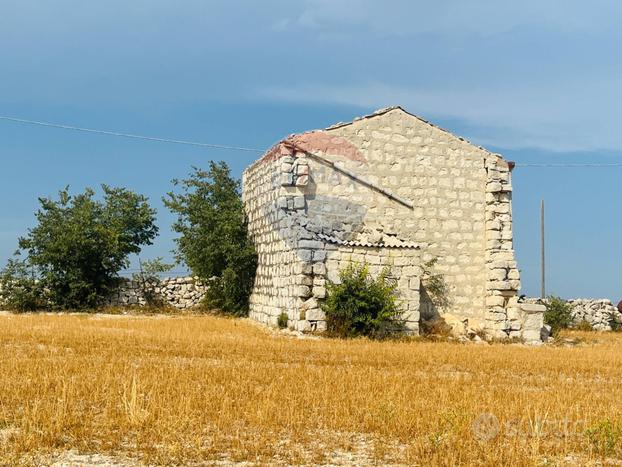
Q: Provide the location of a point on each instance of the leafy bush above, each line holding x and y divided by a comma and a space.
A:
435, 285
558, 314
213, 239
360, 305
282, 320
80, 244
19, 288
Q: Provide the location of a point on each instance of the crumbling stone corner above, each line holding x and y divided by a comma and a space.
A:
506, 317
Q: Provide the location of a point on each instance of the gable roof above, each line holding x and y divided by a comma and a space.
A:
386, 110
377, 113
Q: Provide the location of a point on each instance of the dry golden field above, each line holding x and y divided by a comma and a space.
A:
202, 390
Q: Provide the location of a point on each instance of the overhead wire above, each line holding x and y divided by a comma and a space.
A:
129, 135
247, 149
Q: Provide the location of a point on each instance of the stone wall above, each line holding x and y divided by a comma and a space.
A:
443, 177
503, 282
280, 283
600, 313
388, 181
180, 292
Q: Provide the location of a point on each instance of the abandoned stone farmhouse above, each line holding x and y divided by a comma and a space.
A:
388, 189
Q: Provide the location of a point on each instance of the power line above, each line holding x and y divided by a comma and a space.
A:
618, 164
128, 135
241, 148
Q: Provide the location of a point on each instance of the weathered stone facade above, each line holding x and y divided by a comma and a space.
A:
179, 292
388, 189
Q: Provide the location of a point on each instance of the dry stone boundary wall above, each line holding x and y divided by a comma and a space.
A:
180, 292
600, 313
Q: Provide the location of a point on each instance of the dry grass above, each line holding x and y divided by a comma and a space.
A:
178, 390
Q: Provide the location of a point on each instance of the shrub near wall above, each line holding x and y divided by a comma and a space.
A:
360, 305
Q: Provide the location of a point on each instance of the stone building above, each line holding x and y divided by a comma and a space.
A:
389, 189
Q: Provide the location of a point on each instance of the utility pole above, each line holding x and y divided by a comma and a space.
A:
542, 271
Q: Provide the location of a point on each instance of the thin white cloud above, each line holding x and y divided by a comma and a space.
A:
456, 17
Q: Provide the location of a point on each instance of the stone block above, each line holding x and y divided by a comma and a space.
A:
302, 169
319, 282
319, 255
498, 285
532, 308
493, 187
302, 180
303, 291
319, 269
309, 304
497, 275
315, 314
495, 300
281, 203
414, 283
305, 255
310, 244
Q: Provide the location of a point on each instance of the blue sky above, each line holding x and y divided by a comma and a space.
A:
538, 81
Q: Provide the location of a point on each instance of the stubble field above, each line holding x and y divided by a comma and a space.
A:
208, 390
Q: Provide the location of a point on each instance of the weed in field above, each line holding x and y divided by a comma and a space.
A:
605, 436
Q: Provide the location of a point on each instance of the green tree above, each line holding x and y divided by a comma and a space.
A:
80, 244
213, 239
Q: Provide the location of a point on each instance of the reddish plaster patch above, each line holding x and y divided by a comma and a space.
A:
314, 142
321, 141
277, 151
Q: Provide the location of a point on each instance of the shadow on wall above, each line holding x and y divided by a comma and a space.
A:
428, 310
335, 216
320, 214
